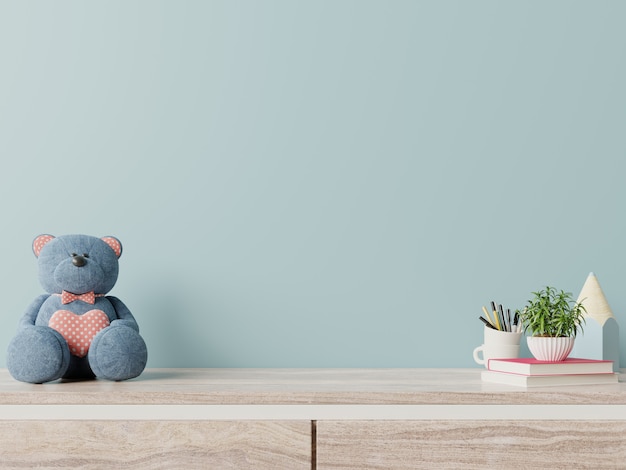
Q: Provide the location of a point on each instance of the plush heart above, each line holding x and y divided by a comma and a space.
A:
79, 330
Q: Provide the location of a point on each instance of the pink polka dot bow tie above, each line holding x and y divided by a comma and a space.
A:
89, 297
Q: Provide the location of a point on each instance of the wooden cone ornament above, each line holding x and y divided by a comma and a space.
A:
600, 336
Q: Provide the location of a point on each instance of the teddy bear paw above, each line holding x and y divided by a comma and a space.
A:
38, 354
117, 353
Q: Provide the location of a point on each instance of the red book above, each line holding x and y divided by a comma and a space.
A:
532, 367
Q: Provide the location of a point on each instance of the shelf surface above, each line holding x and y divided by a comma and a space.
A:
303, 387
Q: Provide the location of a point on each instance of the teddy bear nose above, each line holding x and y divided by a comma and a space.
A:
78, 261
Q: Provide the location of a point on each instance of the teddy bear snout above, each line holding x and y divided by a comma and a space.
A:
78, 261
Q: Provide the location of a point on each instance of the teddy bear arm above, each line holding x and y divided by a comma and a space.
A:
30, 315
123, 314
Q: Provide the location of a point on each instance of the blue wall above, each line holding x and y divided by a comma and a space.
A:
329, 183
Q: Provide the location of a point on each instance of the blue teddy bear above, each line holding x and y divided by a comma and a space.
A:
75, 331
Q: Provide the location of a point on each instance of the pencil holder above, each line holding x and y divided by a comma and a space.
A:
497, 345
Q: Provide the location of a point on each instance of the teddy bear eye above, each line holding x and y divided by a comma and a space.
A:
73, 254
85, 255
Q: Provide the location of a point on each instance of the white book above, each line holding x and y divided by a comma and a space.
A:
531, 366
548, 380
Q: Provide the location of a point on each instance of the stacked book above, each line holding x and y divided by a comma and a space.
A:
529, 372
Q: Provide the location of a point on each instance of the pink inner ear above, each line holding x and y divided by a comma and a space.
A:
40, 242
115, 245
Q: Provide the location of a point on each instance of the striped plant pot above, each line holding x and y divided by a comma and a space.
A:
551, 349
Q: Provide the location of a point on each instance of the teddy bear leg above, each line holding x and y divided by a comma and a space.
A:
117, 353
38, 354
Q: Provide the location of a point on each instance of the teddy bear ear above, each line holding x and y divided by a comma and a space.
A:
39, 243
115, 245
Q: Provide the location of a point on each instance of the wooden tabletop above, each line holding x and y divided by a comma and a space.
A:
302, 386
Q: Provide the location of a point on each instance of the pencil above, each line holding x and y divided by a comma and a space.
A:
487, 315
502, 317
487, 323
495, 315
508, 316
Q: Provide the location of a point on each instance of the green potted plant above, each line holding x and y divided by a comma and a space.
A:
553, 319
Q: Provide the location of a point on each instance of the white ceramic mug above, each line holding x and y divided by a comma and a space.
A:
497, 345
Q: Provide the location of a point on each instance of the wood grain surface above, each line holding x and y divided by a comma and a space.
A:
302, 386
155, 445
470, 445
296, 442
